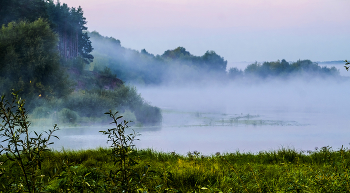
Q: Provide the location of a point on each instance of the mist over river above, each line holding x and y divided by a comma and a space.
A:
228, 118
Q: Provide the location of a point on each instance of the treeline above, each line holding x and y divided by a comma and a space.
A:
43, 52
284, 69
141, 67
178, 66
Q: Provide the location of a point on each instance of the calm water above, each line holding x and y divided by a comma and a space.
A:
245, 118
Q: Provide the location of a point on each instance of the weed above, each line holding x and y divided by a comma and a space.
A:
125, 178
24, 152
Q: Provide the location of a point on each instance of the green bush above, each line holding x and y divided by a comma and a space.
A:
148, 115
93, 103
24, 152
129, 116
41, 112
68, 116
88, 104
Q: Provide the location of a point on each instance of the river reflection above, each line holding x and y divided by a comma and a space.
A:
222, 136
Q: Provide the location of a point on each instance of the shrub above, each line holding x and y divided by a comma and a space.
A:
148, 114
124, 178
92, 103
68, 116
24, 151
129, 116
41, 112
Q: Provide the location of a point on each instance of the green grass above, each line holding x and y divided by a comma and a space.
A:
285, 170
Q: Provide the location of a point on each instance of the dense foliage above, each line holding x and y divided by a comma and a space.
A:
44, 50
29, 61
87, 107
68, 23
176, 66
285, 69
63, 90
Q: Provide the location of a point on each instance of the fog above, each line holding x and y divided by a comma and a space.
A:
206, 107
310, 113
337, 64
263, 116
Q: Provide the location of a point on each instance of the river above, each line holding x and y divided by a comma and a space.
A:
229, 118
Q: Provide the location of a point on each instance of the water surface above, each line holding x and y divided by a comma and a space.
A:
233, 118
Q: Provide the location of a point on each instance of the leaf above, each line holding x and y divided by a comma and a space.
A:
8, 156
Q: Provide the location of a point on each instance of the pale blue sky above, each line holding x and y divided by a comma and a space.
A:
238, 30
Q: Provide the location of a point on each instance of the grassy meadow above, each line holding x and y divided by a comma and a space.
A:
284, 170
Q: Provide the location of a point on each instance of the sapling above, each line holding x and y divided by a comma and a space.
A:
23, 150
124, 178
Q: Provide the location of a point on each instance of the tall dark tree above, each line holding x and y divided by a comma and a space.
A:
70, 23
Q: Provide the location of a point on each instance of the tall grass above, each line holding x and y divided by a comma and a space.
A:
284, 170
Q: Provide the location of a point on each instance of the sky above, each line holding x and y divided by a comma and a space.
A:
238, 30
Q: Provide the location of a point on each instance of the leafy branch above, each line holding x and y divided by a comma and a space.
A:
124, 178
23, 148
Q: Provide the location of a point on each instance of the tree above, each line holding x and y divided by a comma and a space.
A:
214, 62
16, 10
177, 53
234, 73
252, 69
68, 23
29, 60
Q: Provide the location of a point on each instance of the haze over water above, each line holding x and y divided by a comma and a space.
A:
250, 118
311, 114
296, 114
